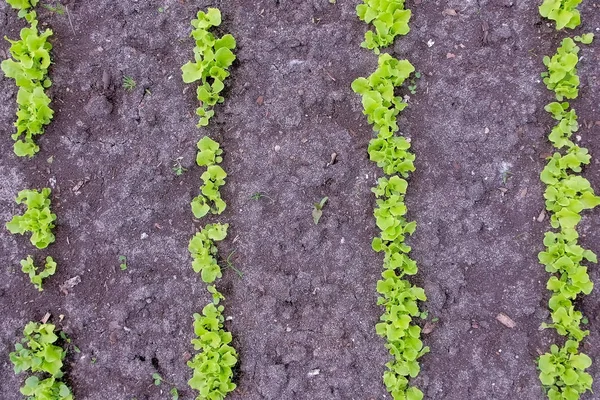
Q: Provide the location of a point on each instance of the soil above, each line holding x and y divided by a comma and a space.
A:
306, 302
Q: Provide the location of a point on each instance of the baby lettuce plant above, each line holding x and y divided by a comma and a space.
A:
38, 353
212, 59
397, 295
389, 19
36, 278
209, 155
29, 68
37, 219
204, 252
563, 12
212, 367
567, 194
561, 76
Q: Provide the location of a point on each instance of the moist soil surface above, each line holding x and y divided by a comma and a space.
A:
303, 313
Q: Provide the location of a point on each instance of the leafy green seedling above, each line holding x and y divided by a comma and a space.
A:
38, 353
123, 263
209, 155
28, 66
586, 38
212, 366
174, 393
212, 59
317, 212
37, 219
157, 379
36, 278
563, 12
562, 371
129, 83
561, 76
389, 19
203, 251
22, 5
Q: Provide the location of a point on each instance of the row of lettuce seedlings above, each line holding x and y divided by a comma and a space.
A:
39, 353
391, 151
563, 368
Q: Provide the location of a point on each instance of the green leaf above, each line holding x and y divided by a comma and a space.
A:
586, 38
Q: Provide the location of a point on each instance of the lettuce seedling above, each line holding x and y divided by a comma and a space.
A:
36, 278
212, 59
389, 18
22, 5
561, 76
586, 38
563, 12
204, 251
29, 68
562, 372
212, 366
37, 219
37, 353
209, 154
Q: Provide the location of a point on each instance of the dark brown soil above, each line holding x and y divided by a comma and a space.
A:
307, 298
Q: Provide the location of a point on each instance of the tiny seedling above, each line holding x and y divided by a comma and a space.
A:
177, 168
123, 263
56, 9
230, 265
129, 83
259, 195
174, 394
317, 212
157, 379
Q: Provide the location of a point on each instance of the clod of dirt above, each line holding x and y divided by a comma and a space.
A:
506, 320
429, 327
98, 106
70, 284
